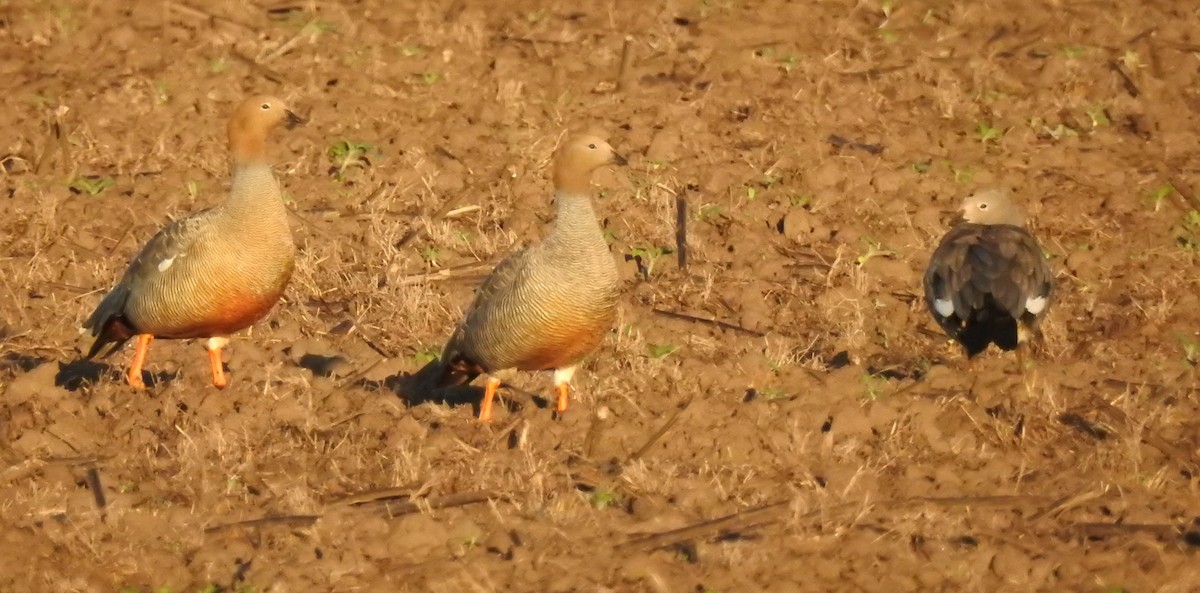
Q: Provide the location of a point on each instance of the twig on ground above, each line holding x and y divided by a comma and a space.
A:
626, 62
194, 12
776, 511
712, 322
661, 432
681, 231
93, 481
261, 70
392, 509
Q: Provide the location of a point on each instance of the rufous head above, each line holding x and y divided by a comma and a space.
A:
577, 157
992, 206
252, 121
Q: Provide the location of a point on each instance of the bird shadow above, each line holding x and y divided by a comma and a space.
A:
320, 365
414, 389
78, 374
17, 362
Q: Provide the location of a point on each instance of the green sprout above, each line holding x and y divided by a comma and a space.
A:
873, 386
772, 393
1191, 348
708, 212
800, 201
1074, 51
90, 184
426, 355
1160, 193
603, 498
346, 155
874, 249
647, 257
988, 133
430, 254
961, 174
661, 351
1099, 117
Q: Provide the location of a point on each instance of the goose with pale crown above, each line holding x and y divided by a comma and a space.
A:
988, 280
215, 272
549, 305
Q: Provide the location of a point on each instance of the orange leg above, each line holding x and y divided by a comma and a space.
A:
218, 369
489, 393
563, 390
134, 376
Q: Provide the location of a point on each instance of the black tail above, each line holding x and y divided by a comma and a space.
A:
988, 325
438, 374
109, 325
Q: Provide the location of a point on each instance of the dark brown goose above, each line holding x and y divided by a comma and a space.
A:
988, 279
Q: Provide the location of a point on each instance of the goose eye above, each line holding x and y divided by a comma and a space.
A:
592, 146
983, 206
266, 106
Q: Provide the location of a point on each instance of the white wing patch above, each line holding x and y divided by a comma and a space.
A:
944, 307
166, 263
1035, 305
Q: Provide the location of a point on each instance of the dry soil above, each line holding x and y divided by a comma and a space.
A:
788, 379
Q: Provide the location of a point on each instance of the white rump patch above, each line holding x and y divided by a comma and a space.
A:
1035, 305
563, 375
944, 307
166, 263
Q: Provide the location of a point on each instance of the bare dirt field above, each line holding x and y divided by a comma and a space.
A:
779, 415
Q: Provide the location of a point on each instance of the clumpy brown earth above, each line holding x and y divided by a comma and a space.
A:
816, 146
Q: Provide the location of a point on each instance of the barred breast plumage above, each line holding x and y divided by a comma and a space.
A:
548, 306
214, 272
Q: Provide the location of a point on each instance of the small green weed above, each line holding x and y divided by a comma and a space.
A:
430, 254
426, 355
873, 386
646, 257
1191, 348
874, 249
772, 394
90, 184
1074, 51
987, 132
1159, 194
412, 51
1099, 117
661, 351
800, 201
709, 212
346, 155
603, 498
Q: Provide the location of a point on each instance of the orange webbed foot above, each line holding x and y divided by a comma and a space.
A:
214, 346
134, 376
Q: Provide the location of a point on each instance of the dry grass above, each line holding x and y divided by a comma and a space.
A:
887, 477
